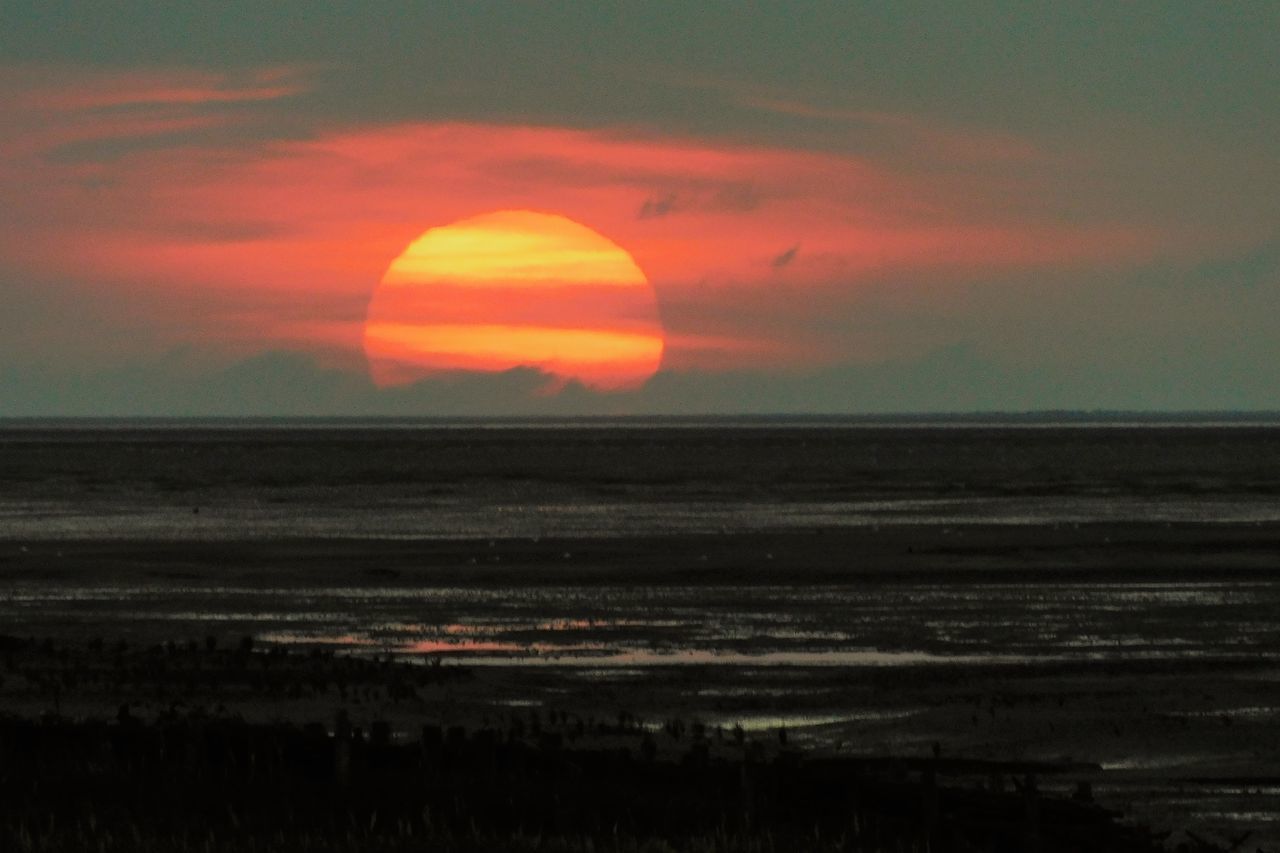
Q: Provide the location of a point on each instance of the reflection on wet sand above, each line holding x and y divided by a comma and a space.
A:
910, 622
563, 657
1154, 680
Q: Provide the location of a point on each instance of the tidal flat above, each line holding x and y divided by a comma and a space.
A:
1100, 604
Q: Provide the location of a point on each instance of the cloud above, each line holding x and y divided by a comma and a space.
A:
63, 90
254, 207
278, 383
702, 196
318, 219
656, 206
784, 260
957, 378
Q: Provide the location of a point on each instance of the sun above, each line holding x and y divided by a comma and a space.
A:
514, 288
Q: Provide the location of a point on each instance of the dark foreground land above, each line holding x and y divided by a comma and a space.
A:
192, 777
147, 706
229, 745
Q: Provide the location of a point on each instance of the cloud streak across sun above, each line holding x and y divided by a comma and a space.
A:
516, 246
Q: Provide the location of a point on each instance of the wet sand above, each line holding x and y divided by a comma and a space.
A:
1184, 735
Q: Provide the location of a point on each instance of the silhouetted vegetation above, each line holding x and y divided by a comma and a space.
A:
188, 777
174, 769
221, 784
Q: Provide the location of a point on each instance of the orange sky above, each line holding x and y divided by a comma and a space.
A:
200, 209
321, 218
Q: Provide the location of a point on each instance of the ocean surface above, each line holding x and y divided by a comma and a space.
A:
410, 480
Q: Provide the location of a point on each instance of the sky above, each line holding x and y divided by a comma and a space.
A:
838, 208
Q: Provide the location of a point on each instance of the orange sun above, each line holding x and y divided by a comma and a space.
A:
509, 289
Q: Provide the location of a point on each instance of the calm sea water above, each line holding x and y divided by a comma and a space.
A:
229, 480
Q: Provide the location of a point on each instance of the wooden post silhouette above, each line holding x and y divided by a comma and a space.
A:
1031, 805
342, 748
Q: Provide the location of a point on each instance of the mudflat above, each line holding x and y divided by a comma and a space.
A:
1144, 658
1099, 604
